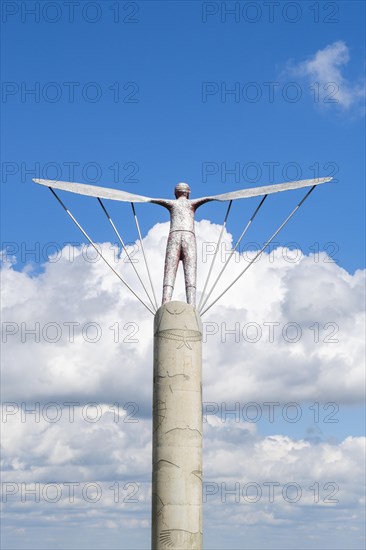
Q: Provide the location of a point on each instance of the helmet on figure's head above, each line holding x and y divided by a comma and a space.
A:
182, 188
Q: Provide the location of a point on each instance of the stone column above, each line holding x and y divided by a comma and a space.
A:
177, 429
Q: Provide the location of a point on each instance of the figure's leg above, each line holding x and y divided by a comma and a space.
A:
189, 257
172, 257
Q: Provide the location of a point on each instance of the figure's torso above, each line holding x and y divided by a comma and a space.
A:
181, 215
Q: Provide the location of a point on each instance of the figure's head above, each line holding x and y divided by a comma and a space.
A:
182, 189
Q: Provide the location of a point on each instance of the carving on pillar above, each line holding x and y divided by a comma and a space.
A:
159, 413
170, 320
184, 336
179, 538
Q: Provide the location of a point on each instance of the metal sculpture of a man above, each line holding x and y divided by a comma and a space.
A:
181, 241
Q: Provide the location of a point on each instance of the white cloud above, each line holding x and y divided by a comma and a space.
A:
316, 302
250, 480
313, 294
326, 67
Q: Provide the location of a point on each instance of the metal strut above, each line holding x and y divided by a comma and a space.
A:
261, 250
232, 252
125, 249
143, 252
214, 258
98, 252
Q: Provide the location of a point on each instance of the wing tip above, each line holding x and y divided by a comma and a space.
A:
40, 181
44, 182
323, 180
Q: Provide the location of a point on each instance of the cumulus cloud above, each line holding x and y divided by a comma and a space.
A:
325, 72
76, 343
74, 329
299, 487
96, 475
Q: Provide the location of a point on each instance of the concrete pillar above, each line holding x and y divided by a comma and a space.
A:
177, 429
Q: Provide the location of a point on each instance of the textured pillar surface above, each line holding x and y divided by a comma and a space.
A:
177, 429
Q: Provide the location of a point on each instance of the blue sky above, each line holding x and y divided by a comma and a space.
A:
153, 93
169, 133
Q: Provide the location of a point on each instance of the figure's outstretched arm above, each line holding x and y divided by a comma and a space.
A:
199, 202
100, 192
163, 202
258, 191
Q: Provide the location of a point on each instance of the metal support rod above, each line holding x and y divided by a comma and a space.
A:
143, 252
261, 250
232, 251
216, 251
98, 252
125, 249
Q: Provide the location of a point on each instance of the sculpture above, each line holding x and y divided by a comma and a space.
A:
177, 381
181, 241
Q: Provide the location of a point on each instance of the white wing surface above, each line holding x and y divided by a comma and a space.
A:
93, 191
265, 190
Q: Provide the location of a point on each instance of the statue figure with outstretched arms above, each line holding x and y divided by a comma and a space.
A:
182, 240
181, 243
